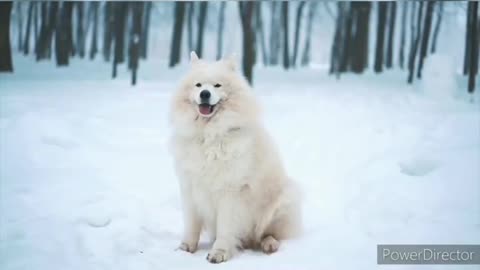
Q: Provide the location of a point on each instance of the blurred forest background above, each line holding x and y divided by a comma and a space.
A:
373, 36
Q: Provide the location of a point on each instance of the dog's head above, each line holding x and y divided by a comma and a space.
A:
214, 93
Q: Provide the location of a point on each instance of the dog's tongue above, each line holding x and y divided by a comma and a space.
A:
204, 109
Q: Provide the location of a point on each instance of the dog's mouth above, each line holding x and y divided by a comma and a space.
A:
206, 109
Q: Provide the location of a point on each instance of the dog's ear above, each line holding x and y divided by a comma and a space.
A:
231, 61
193, 57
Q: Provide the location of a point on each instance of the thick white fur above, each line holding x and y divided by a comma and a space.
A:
232, 182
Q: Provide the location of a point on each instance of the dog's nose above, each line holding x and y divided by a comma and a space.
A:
205, 94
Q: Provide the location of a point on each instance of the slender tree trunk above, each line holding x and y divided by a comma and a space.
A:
286, 51
437, 26
63, 34
221, 21
145, 29
108, 29
379, 51
427, 26
93, 47
246, 15
202, 16
80, 30
347, 47
5, 47
19, 12
308, 35
26, 44
177, 34
190, 13
135, 36
391, 33
35, 25
298, 21
337, 44
474, 47
260, 32
467, 57
401, 56
120, 11
359, 45
416, 41
47, 29
274, 33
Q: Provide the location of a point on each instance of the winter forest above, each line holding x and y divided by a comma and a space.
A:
373, 108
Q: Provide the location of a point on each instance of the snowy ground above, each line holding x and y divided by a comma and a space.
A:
86, 181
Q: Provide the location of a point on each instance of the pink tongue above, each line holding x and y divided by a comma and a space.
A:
204, 109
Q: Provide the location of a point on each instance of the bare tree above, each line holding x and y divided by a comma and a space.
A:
298, 21
401, 56
437, 26
177, 33
274, 33
5, 47
379, 51
26, 44
108, 29
135, 37
427, 25
93, 46
145, 29
120, 18
391, 33
415, 42
308, 34
202, 16
246, 15
80, 40
221, 22
286, 51
260, 32
19, 13
63, 36
474, 44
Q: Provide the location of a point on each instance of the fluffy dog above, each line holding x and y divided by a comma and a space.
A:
232, 182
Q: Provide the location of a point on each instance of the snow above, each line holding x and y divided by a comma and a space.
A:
86, 180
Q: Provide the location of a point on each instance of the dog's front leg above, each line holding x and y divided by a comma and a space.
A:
192, 227
232, 226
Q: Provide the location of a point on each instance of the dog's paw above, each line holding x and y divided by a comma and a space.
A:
217, 256
269, 244
188, 247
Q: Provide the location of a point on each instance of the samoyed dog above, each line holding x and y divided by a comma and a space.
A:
232, 182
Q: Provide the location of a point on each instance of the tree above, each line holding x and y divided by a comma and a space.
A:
415, 41
63, 37
108, 29
179, 12
190, 13
359, 45
308, 34
5, 47
26, 45
19, 13
274, 33
80, 47
246, 14
93, 46
379, 51
202, 16
437, 26
391, 33
221, 21
401, 56
47, 28
260, 32
298, 21
120, 18
427, 25
135, 36
473, 39
286, 52
145, 29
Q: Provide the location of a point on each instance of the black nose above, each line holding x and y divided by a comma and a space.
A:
205, 94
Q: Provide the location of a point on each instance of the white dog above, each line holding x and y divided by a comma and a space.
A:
232, 182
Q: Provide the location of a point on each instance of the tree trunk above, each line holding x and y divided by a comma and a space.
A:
391, 33
26, 44
437, 27
5, 47
474, 40
18, 9
146, 29
47, 29
80, 30
359, 47
221, 21
298, 21
177, 34
401, 56
416, 41
427, 26
190, 13
467, 56
246, 14
108, 29
93, 47
379, 51
274, 33
308, 35
63, 36
135, 36
346, 33
260, 32
202, 16
120, 11
286, 51
337, 44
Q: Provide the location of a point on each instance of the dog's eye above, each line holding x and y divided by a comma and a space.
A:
198, 85
217, 85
